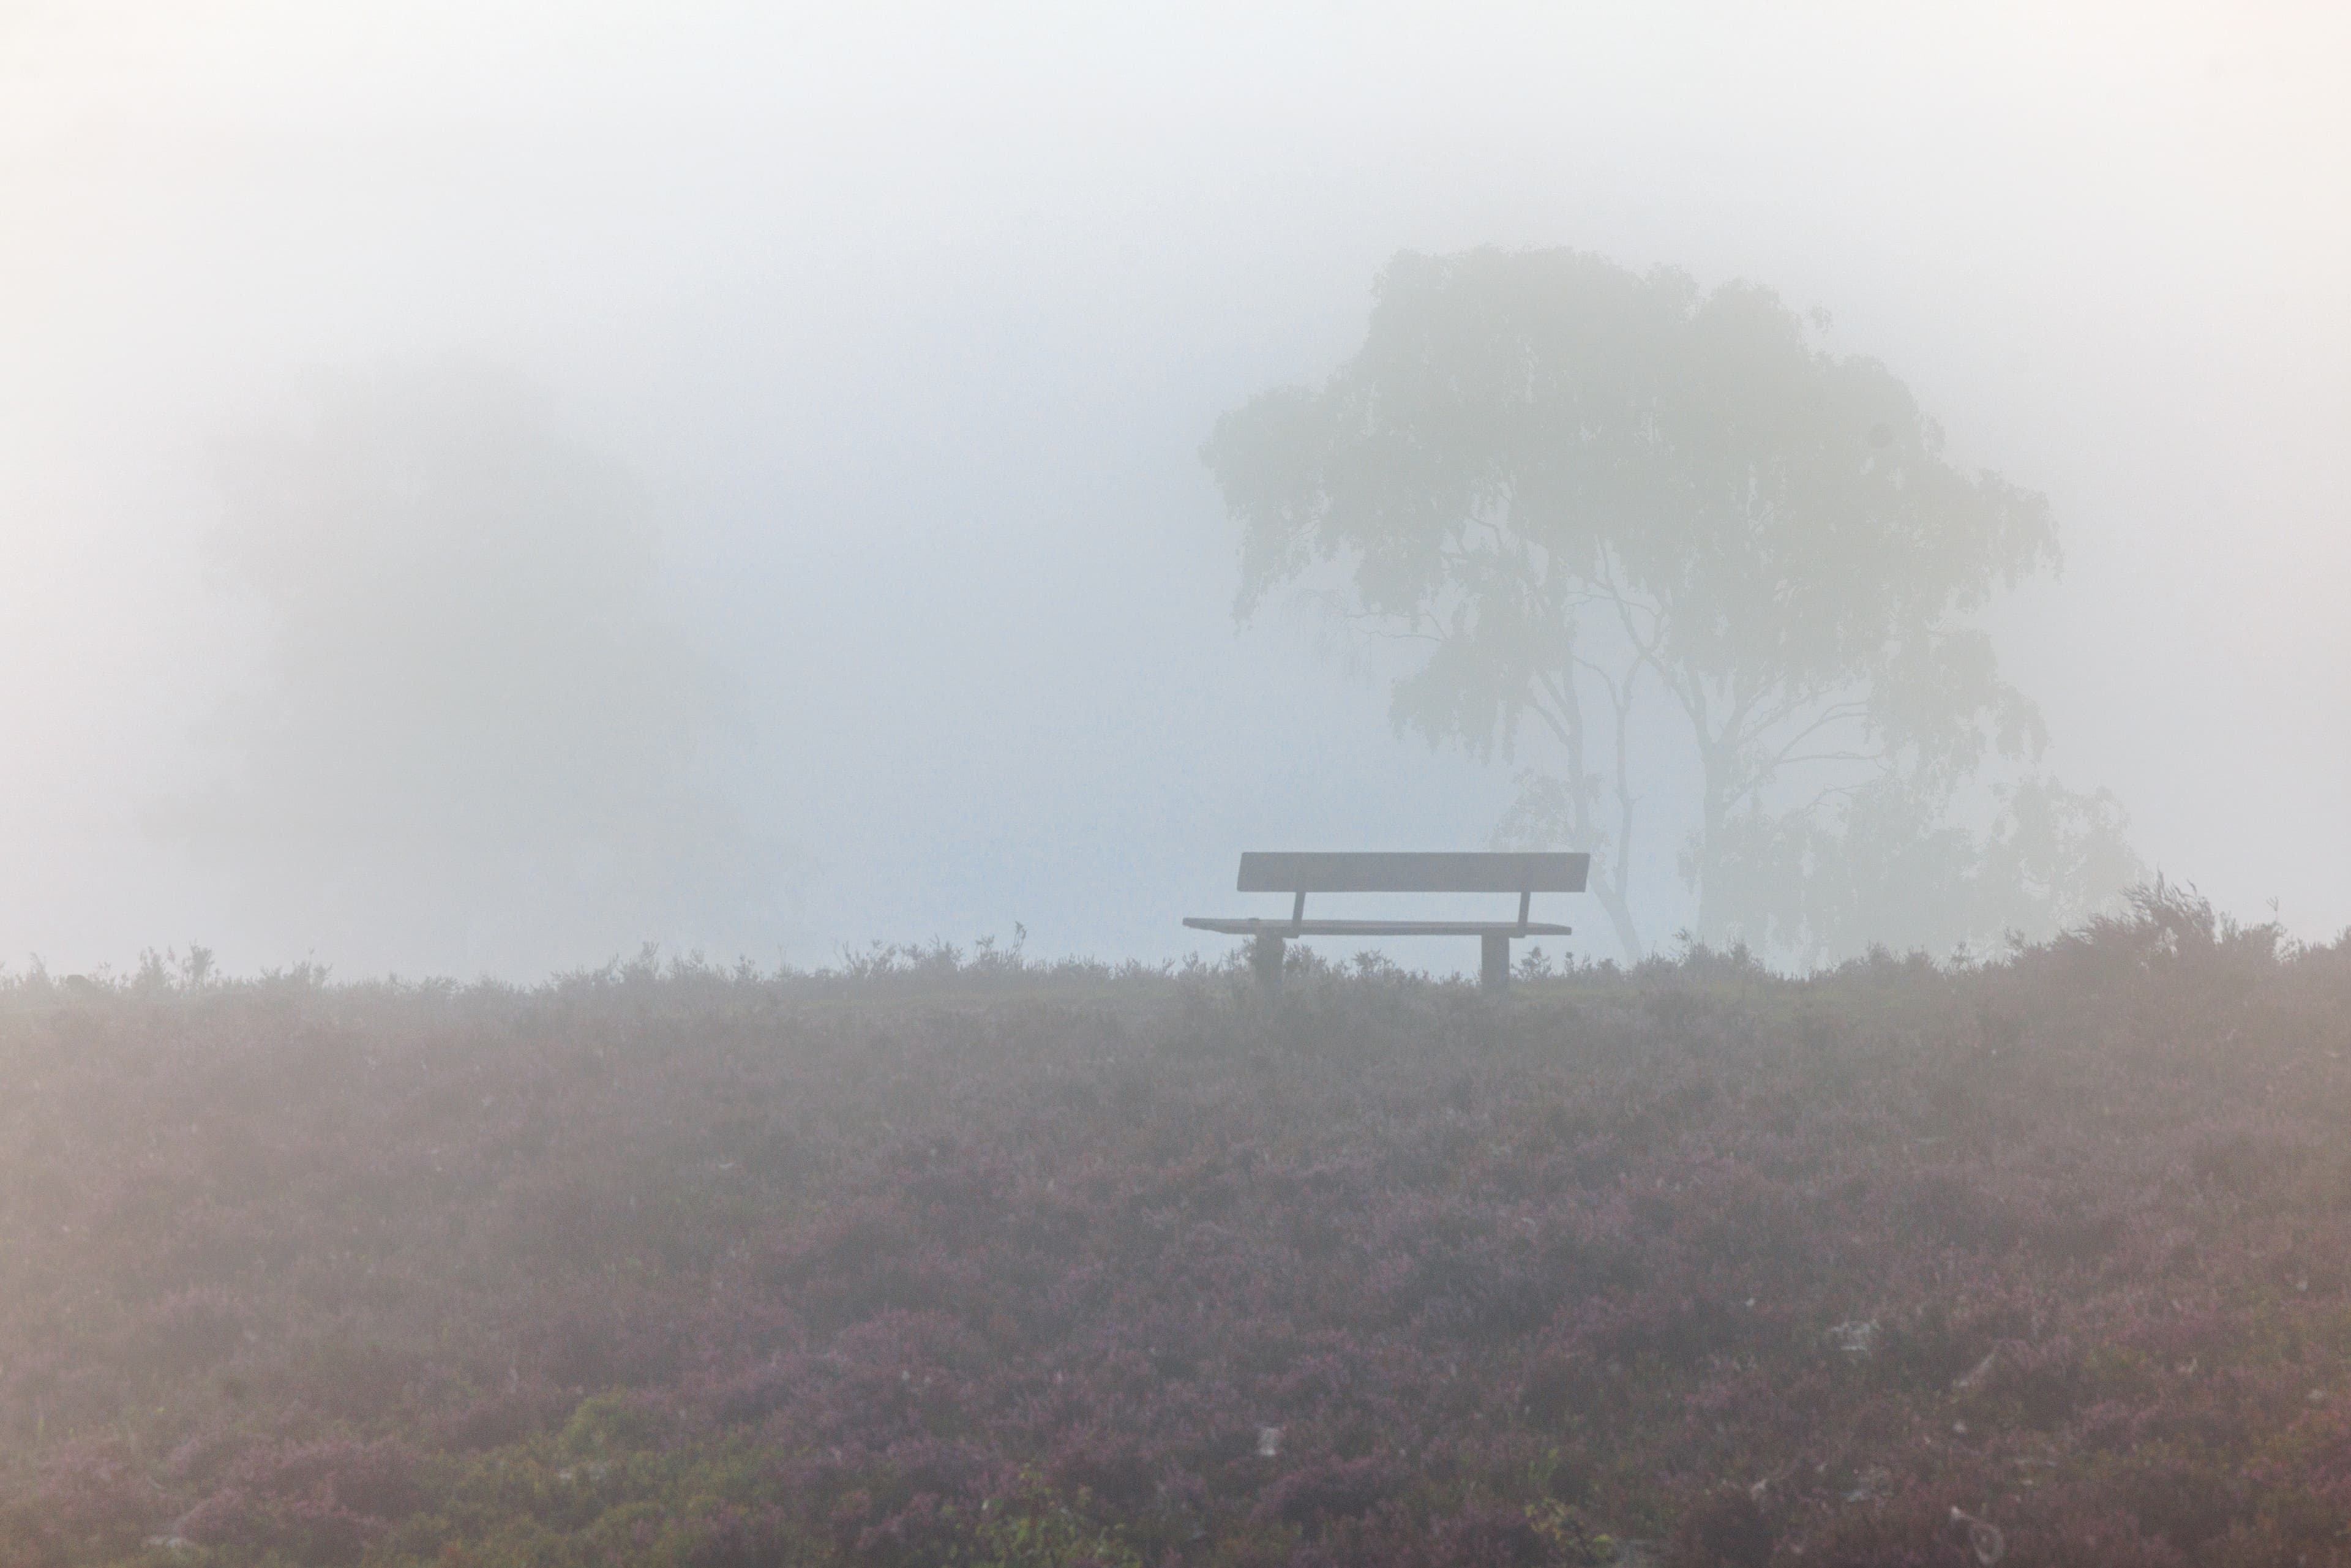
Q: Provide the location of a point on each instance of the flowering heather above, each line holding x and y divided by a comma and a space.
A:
2041, 1261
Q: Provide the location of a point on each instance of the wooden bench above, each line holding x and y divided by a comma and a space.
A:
1299, 874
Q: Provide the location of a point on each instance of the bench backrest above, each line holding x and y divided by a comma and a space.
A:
1374, 872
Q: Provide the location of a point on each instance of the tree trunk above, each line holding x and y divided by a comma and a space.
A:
1713, 809
1619, 915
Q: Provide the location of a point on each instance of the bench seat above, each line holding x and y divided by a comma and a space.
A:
1522, 872
1277, 928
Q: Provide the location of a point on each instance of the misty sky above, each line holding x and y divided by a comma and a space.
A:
908, 326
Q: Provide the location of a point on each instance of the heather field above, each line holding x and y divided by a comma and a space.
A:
962, 1259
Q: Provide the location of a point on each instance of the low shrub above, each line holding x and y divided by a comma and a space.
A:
988, 1263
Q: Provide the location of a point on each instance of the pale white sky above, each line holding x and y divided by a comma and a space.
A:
911, 319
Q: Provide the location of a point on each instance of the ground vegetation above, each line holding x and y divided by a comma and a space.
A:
941, 1257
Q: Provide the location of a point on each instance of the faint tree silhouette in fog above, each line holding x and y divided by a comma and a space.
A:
477, 718
1662, 530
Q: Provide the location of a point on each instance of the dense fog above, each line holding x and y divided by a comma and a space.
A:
483, 488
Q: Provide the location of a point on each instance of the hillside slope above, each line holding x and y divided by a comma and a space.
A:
1001, 1265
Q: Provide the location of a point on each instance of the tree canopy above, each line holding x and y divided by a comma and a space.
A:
1651, 533
472, 696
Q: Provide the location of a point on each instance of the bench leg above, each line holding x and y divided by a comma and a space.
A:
1265, 957
1494, 966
